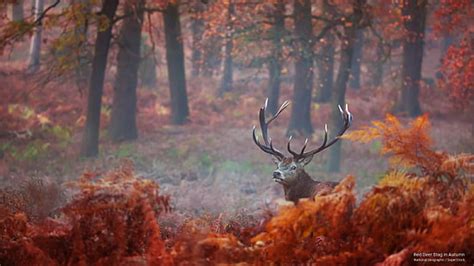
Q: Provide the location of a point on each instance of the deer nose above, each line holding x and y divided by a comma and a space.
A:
276, 174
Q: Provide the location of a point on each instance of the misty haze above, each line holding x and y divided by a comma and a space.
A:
321, 132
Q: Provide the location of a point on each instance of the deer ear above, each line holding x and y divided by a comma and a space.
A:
306, 160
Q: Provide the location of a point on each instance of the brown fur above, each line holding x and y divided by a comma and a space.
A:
303, 186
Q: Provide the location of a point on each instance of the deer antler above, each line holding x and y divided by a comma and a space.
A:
346, 116
268, 146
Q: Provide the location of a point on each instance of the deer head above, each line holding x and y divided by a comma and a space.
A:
290, 170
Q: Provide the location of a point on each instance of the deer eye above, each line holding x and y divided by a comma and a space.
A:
293, 167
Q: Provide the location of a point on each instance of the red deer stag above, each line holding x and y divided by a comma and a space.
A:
290, 171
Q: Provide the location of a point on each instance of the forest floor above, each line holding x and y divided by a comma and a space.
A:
209, 166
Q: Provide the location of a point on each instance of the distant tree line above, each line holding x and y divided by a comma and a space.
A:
316, 37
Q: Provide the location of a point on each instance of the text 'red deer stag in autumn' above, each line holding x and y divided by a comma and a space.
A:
290, 171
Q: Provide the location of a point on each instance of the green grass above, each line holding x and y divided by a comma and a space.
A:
202, 162
31, 152
63, 135
125, 150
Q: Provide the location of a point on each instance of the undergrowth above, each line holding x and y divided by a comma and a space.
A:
423, 204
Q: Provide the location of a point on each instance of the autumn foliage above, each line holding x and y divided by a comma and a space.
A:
110, 220
458, 73
423, 204
454, 18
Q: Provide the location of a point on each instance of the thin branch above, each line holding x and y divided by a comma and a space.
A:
129, 14
327, 28
38, 21
382, 41
28, 26
325, 19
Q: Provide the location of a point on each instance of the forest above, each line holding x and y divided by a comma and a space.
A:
250, 132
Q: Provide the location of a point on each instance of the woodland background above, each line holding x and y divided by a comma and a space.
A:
125, 131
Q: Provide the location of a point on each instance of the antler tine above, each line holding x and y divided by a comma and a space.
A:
288, 146
348, 114
264, 148
255, 139
275, 150
282, 107
347, 117
304, 146
268, 147
340, 110
296, 155
263, 125
320, 148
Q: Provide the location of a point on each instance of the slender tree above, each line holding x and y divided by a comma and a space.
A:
325, 62
123, 124
326, 69
197, 31
175, 63
211, 53
275, 61
378, 64
415, 15
357, 60
147, 68
446, 42
35, 45
15, 11
83, 53
339, 92
90, 142
300, 121
227, 77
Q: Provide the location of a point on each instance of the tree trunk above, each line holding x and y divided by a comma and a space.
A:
123, 124
408, 101
227, 79
82, 68
357, 59
35, 45
377, 66
339, 92
15, 11
211, 55
90, 142
274, 64
325, 63
147, 68
446, 42
300, 121
175, 63
197, 30
326, 70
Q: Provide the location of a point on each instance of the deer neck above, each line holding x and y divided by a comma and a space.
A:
302, 187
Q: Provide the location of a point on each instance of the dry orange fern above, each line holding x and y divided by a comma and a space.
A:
412, 147
113, 219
